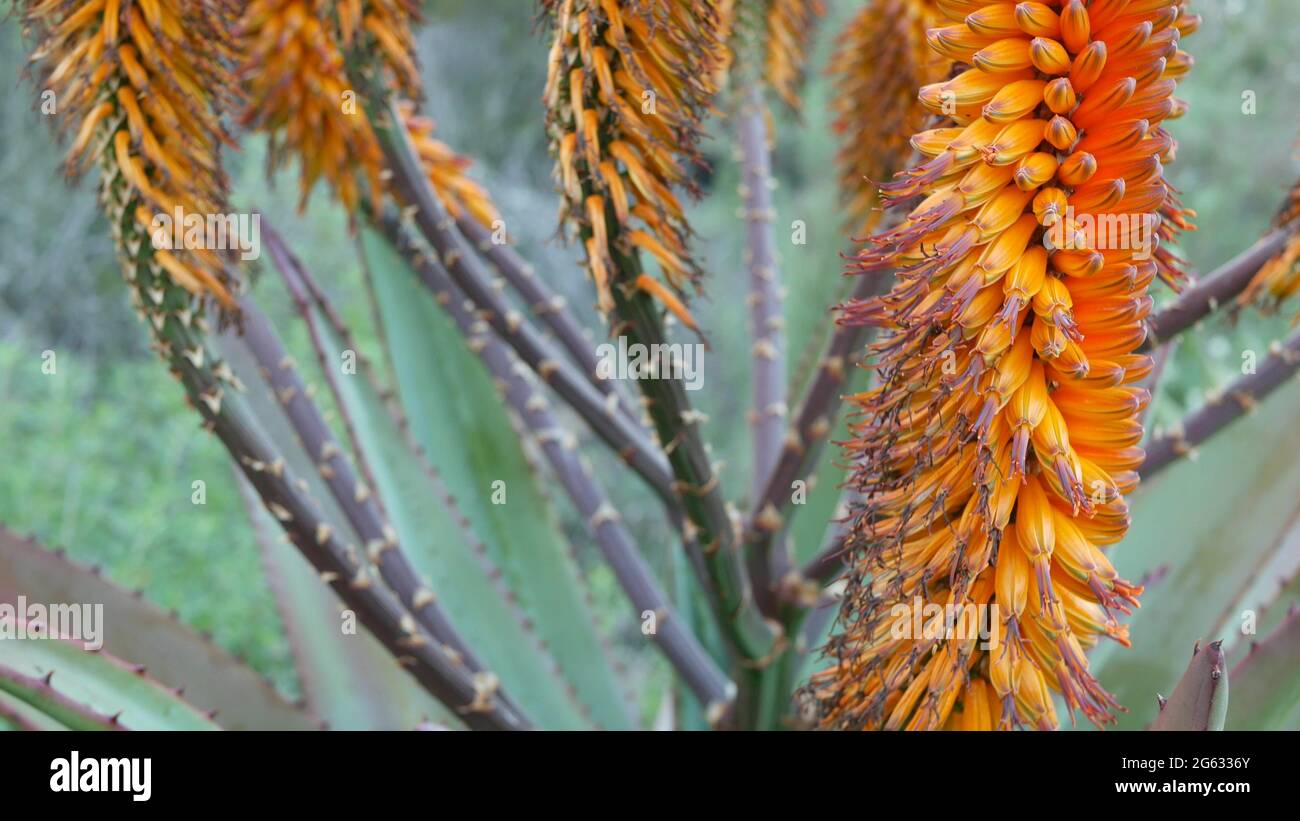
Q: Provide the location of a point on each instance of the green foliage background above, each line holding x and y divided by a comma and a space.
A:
100, 458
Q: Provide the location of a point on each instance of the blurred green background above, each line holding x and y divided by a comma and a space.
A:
100, 457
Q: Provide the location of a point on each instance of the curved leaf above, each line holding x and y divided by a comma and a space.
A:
1268, 616
90, 690
1200, 700
420, 511
19, 715
137, 630
1267, 682
460, 422
347, 677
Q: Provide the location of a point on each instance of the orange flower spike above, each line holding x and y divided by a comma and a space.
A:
1014, 142
1049, 206
1035, 526
605, 57
105, 62
1053, 303
656, 289
994, 19
1026, 279
1033, 400
957, 43
1061, 133
1001, 254
1104, 99
1048, 339
1087, 67
1078, 168
1012, 576
1033, 697
293, 71
790, 27
1037, 19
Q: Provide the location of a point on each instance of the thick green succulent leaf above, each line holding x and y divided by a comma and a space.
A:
137, 630
1268, 616
1200, 699
347, 676
458, 418
1267, 681
1205, 527
89, 690
18, 715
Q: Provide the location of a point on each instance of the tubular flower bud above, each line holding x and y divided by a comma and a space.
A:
627, 88
994, 454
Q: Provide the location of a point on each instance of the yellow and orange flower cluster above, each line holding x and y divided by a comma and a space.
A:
880, 59
627, 87
1279, 278
996, 451
295, 73
790, 28
142, 84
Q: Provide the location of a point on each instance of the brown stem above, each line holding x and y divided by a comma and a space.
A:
1240, 397
813, 423
1212, 291
439, 667
354, 497
672, 635
829, 561
768, 355
544, 302
465, 268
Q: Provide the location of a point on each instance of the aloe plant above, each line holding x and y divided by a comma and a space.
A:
414, 513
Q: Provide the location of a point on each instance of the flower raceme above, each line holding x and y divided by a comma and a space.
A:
294, 70
627, 87
995, 452
141, 86
790, 28
880, 59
